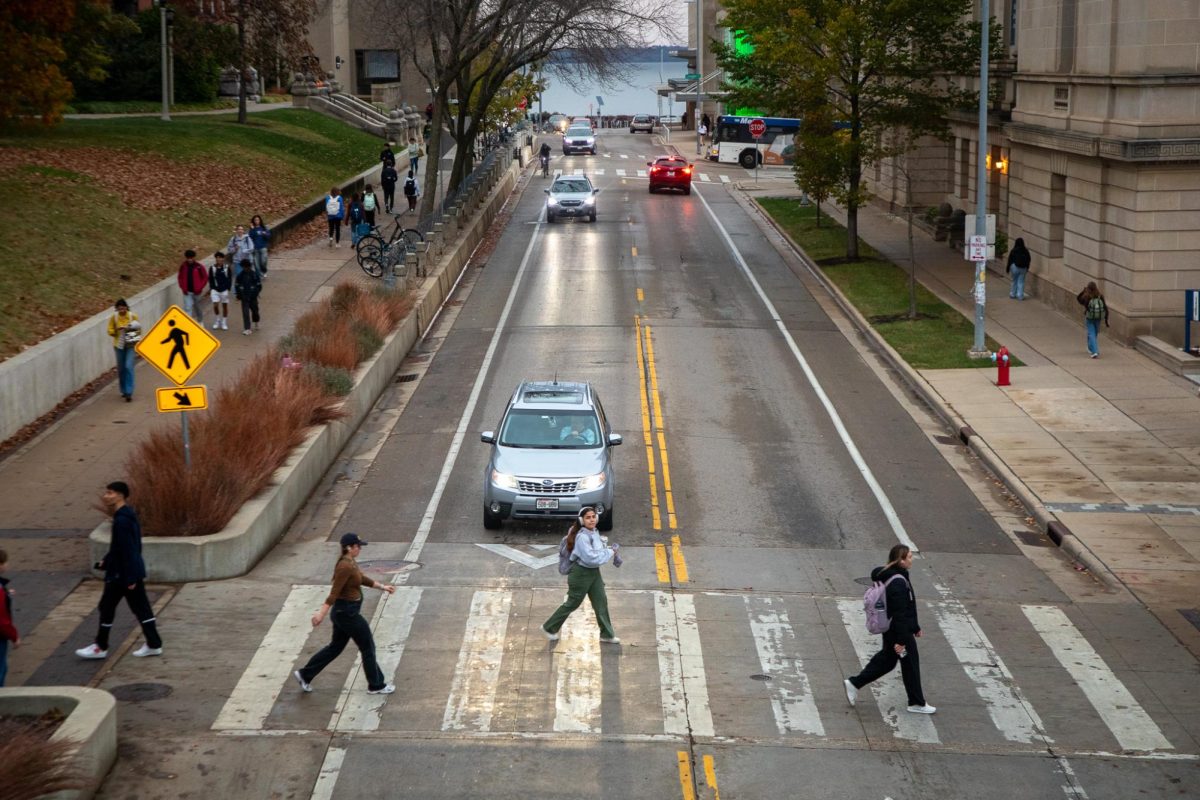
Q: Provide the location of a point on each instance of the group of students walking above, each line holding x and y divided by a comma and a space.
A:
1095, 308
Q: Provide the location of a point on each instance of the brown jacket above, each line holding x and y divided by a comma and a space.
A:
348, 581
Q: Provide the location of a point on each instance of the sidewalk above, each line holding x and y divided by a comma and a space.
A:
1111, 446
49, 488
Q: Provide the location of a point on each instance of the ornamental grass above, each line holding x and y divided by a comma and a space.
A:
32, 765
259, 418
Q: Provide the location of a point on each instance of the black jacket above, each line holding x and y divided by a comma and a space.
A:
901, 601
1019, 257
388, 177
219, 280
123, 563
247, 283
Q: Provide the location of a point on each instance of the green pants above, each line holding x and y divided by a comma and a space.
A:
583, 582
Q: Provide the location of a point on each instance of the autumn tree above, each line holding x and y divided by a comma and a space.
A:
873, 66
33, 86
468, 49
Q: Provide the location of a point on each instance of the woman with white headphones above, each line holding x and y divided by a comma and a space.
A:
588, 552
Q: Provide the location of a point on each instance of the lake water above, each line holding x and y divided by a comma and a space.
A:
634, 96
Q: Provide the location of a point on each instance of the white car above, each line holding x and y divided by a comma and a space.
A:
571, 196
642, 122
579, 138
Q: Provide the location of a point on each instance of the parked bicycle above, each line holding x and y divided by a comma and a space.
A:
376, 254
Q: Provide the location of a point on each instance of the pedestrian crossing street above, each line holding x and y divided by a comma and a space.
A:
716, 665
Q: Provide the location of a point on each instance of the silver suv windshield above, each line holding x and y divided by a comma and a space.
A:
580, 131
557, 430
571, 186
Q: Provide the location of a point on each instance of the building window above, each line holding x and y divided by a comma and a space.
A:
1012, 24
1062, 98
1058, 214
964, 168
375, 66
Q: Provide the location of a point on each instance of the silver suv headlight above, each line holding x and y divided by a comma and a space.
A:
592, 482
503, 480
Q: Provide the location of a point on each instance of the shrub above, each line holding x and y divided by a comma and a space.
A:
337, 382
366, 339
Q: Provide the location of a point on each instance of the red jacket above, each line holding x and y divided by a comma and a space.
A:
8, 631
199, 276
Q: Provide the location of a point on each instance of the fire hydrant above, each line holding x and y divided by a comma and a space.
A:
1001, 359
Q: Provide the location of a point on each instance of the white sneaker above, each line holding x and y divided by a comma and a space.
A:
92, 652
247, 332
851, 692
613, 640
147, 650
224, 324
331, 241
304, 685
217, 324
551, 636
385, 689
922, 709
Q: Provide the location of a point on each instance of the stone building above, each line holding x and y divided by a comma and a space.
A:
1094, 145
351, 42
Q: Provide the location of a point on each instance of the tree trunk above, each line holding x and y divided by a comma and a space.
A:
433, 155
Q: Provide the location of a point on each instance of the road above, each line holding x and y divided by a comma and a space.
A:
769, 463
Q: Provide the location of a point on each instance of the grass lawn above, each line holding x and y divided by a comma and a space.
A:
938, 339
100, 209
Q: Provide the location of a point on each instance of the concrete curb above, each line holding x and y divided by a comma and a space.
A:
91, 724
1046, 520
260, 523
32, 383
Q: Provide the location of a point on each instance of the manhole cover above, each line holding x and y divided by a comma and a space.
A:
760, 677
140, 692
863, 581
412, 376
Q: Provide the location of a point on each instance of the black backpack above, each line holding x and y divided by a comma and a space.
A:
410, 188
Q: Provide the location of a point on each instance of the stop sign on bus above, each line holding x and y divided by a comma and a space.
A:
757, 128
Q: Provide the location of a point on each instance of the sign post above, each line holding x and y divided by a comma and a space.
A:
758, 128
178, 346
1191, 313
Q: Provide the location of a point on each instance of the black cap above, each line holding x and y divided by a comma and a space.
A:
351, 539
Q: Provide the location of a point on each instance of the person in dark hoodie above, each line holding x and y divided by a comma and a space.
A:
247, 286
900, 639
124, 576
1018, 264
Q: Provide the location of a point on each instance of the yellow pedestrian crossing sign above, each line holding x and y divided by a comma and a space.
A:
182, 398
177, 345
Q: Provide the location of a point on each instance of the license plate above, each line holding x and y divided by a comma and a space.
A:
670, 173
547, 504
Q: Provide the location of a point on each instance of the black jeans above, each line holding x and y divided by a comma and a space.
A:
335, 228
348, 624
249, 310
885, 660
139, 604
389, 196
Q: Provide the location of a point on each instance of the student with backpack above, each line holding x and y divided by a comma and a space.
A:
248, 285
260, 234
411, 190
220, 281
370, 204
1094, 310
335, 212
588, 552
388, 177
355, 216
891, 610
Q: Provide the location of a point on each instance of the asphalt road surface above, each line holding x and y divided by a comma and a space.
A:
768, 465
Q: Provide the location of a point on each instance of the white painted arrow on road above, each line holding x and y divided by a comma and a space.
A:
516, 555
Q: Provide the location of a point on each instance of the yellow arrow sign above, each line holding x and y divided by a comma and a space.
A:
177, 345
184, 398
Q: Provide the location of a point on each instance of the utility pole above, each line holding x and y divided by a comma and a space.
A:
699, 70
166, 77
979, 350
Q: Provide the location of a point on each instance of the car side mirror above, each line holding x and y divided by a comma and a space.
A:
488, 437
614, 439
547, 191
595, 191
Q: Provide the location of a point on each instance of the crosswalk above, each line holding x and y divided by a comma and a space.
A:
713, 665
621, 172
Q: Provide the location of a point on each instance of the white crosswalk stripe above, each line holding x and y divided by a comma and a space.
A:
623, 155
724, 179
598, 172
641, 173
1128, 721
484, 678
620, 173
704, 177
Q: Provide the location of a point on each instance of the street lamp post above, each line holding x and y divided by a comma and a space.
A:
699, 70
979, 350
166, 75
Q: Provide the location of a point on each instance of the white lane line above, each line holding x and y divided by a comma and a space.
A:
1127, 720
473, 692
682, 682
608, 155
460, 433
620, 173
578, 674
597, 172
880, 496
327, 777
888, 690
724, 179
252, 699
362, 711
704, 177
641, 173
791, 697
624, 155
1012, 714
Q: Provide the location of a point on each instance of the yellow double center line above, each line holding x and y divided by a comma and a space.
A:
686, 786
654, 433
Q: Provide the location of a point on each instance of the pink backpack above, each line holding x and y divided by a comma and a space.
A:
875, 606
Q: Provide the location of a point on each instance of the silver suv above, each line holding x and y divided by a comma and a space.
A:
552, 456
642, 122
579, 138
571, 196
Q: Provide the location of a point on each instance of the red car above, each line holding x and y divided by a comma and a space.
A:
670, 172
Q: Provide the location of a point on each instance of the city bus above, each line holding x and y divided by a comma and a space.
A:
733, 144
